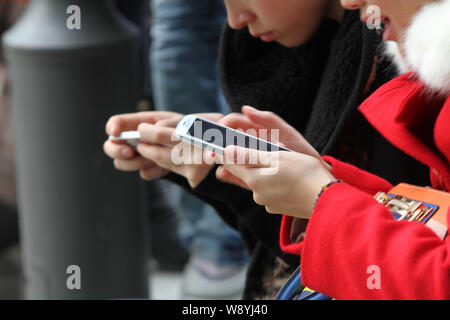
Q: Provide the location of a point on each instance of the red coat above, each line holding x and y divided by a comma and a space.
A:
350, 235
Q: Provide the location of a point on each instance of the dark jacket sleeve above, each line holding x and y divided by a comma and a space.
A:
238, 209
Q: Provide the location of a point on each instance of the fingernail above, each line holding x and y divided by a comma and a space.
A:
207, 156
251, 109
127, 152
111, 130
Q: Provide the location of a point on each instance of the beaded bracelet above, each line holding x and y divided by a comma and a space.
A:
325, 187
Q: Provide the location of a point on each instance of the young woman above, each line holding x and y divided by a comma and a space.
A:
309, 62
349, 234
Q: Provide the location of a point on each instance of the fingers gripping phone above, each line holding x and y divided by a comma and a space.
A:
215, 137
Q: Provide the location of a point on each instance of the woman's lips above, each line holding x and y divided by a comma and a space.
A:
266, 37
387, 29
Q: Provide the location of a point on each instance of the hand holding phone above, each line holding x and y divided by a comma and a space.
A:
215, 137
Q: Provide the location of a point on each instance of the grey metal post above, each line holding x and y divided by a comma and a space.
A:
81, 221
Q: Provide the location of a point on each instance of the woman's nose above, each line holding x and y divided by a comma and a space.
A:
240, 19
352, 4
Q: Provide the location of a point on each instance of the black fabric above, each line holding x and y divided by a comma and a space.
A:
345, 77
272, 77
317, 88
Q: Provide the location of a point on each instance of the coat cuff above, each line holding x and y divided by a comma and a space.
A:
356, 177
286, 242
351, 175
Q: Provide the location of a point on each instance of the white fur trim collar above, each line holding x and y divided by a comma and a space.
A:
427, 46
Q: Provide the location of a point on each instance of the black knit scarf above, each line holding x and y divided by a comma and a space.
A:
313, 90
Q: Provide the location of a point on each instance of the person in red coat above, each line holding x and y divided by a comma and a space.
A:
350, 237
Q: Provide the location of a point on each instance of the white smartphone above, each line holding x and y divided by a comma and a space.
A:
215, 137
131, 137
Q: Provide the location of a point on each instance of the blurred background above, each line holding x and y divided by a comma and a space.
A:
61, 202
10, 266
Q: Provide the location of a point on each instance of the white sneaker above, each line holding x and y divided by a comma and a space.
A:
205, 280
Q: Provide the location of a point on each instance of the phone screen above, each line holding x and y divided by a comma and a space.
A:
223, 137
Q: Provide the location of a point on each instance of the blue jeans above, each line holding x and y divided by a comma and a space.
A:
183, 58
